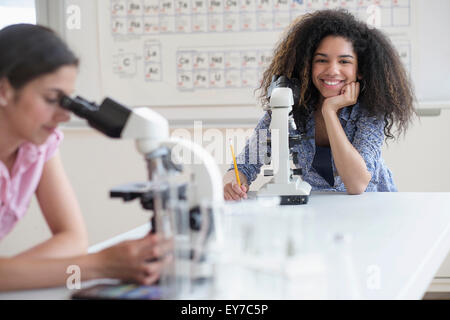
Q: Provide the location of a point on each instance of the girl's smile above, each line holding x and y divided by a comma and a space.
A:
333, 83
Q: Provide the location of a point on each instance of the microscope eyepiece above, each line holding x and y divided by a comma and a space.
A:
109, 117
77, 105
65, 102
284, 82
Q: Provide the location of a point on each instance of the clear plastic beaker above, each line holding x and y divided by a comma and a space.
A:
254, 250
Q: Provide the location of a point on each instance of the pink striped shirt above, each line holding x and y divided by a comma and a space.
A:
16, 190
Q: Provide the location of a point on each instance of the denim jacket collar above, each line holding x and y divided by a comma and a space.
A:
349, 112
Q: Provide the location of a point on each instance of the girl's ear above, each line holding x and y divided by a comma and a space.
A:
359, 77
6, 91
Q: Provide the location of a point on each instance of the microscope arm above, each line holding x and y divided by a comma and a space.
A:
204, 171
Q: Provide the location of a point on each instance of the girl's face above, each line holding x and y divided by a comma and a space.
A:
334, 65
33, 112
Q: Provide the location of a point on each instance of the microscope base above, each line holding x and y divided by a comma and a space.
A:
293, 193
294, 200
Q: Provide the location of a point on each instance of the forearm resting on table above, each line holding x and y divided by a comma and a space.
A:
60, 245
28, 273
349, 163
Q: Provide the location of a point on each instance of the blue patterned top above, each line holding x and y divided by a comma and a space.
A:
365, 134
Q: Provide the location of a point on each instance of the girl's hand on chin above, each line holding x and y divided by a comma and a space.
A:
348, 96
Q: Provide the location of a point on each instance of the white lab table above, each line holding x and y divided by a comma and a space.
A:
394, 244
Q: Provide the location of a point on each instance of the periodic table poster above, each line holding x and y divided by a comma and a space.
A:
213, 52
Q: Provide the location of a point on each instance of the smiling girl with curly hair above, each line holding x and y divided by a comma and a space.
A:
353, 89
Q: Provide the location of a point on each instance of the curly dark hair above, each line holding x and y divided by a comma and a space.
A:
386, 91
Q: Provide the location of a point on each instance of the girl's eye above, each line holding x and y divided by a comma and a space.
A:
52, 100
345, 61
321, 60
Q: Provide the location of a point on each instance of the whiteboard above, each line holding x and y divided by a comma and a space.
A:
213, 52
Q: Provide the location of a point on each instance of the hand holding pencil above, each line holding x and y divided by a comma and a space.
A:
235, 165
233, 189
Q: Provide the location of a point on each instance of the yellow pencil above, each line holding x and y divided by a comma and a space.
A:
235, 165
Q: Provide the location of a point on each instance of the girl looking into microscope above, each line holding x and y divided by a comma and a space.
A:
353, 90
36, 69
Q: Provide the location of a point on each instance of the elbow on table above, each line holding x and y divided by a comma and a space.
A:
358, 185
357, 189
355, 192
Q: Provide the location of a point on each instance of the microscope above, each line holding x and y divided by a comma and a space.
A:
201, 184
185, 198
286, 182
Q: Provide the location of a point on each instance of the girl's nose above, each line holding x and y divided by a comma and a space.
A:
333, 68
